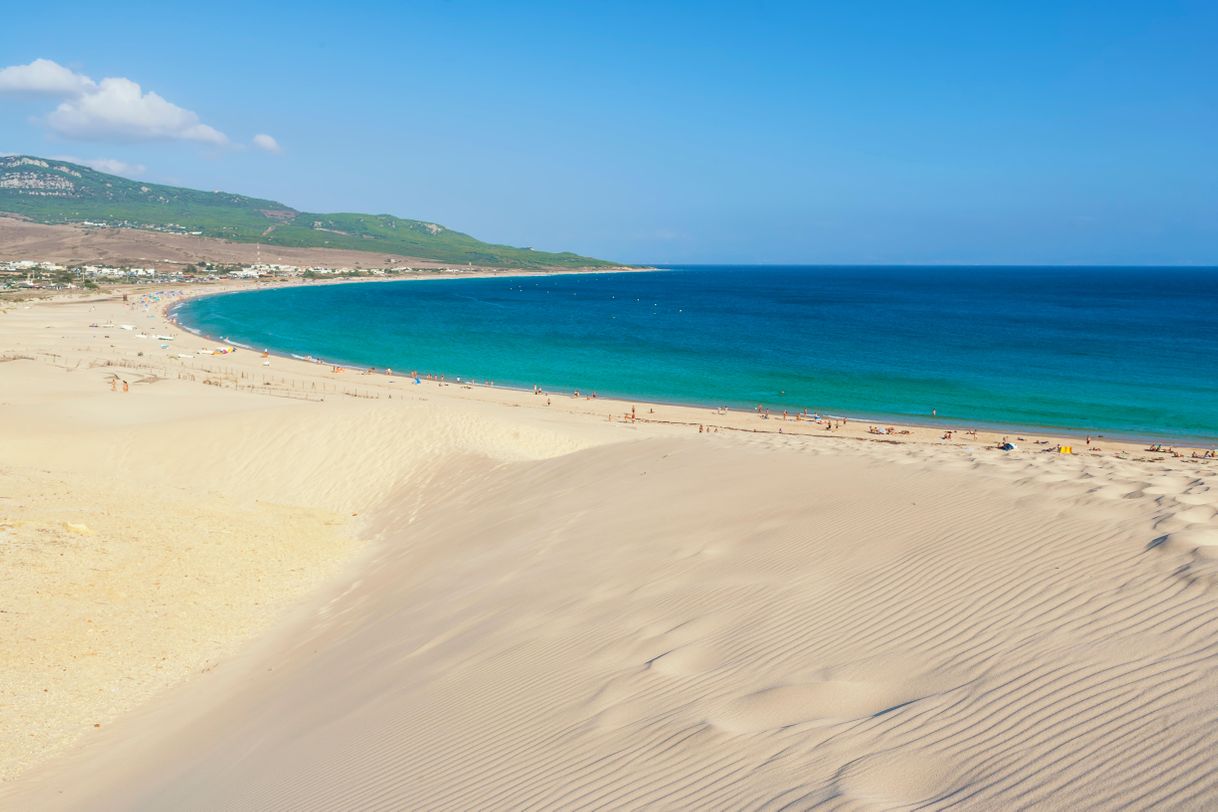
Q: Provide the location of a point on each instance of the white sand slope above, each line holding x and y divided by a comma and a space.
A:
683, 623
537, 607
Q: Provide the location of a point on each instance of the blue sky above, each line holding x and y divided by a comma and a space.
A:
815, 132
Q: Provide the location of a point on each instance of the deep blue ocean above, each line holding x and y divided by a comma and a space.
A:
1120, 350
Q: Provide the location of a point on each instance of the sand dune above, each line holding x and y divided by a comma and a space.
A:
553, 610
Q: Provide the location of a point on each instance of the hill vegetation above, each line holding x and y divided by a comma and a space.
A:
51, 191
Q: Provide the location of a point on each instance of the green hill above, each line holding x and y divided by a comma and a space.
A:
49, 191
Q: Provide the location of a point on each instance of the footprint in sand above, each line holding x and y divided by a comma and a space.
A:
1181, 519
1167, 486
1115, 490
810, 703
629, 697
693, 659
897, 779
1201, 540
652, 638
627, 712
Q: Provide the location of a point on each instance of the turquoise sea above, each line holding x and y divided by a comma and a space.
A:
1131, 351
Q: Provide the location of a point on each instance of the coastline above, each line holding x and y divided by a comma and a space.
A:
904, 425
419, 534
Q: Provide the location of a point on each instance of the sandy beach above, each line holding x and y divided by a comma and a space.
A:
238, 582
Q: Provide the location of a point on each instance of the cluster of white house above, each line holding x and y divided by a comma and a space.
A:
107, 272
34, 273
270, 269
168, 228
22, 265
36, 266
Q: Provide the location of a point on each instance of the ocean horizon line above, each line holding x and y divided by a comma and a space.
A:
933, 265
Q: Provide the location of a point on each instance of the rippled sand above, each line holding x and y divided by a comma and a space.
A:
535, 606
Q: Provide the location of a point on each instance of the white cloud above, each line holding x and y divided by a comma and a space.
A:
119, 109
266, 142
113, 109
111, 166
44, 77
